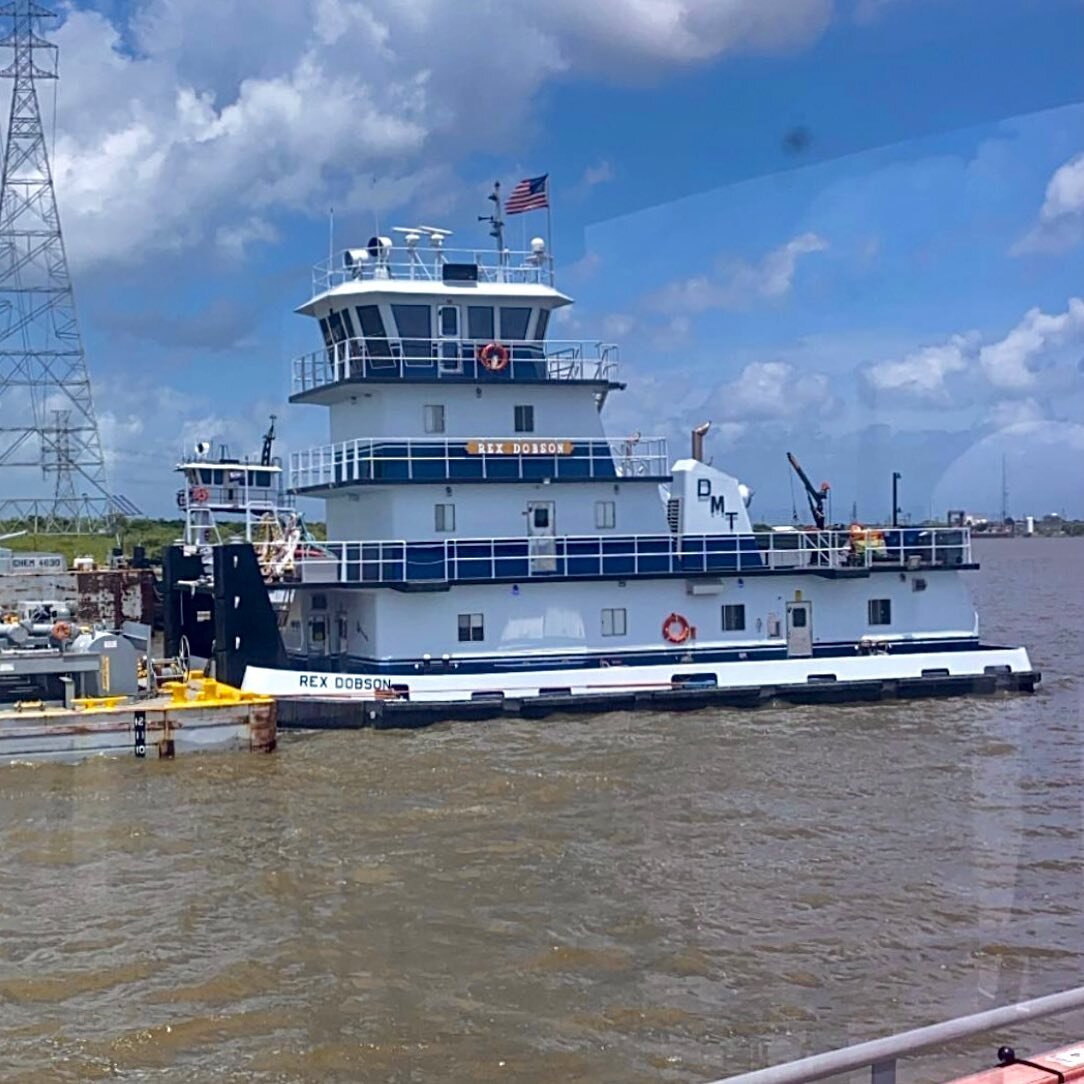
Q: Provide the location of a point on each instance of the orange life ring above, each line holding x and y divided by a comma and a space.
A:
200, 495
494, 356
61, 631
676, 629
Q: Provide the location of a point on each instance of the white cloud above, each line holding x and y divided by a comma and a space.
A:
599, 173
656, 31
774, 390
184, 121
233, 241
1061, 217
1010, 363
1015, 412
616, 325
738, 283
922, 374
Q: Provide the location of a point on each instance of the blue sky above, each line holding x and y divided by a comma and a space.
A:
854, 230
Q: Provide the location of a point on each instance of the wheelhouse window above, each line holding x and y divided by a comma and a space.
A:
472, 628
414, 324
524, 419
605, 514
614, 622
880, 611
541, 324
734, 617
433, 417
514, 322
348, 324
444, 517
373, 330
335, 323
372, 323
480, 322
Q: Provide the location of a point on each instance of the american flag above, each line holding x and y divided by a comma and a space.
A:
531, 194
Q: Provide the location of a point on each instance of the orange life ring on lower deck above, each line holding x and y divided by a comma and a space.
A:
494, 356
200, 495
676, 629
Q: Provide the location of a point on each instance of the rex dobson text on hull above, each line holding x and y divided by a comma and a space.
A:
491, 548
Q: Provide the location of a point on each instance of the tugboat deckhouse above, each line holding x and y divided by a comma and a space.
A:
492, 549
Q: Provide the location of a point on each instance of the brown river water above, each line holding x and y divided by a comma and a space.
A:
623, 898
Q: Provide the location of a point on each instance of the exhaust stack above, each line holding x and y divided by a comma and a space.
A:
698, 441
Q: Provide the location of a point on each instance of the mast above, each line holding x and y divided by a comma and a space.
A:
496, 223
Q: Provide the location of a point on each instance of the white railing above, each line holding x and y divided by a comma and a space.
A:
520, 458
881, 1055
827, 552
429, 264
452, 360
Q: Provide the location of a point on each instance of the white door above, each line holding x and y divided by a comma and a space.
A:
451, 360
541, 529
799, 629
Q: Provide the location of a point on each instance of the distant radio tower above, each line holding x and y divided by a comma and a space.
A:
47, 416
1004, 493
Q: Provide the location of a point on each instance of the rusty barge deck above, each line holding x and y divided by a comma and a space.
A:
195, 715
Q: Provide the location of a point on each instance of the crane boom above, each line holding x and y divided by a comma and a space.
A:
268, 443
816, 496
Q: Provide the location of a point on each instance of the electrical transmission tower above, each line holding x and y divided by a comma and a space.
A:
48, 430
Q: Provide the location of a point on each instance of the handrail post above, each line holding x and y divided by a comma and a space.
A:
883, 1072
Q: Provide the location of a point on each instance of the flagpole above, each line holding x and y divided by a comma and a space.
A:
549, 227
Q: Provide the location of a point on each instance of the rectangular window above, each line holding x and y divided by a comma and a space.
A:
880, 611
348, 324
542, 324
605, 514
449, 321
372, 323
480, 322
415, 329
471, 628
524, 419
445, 517
433, 417
372, 328
734, 618
335, 322
613, 622
514, 322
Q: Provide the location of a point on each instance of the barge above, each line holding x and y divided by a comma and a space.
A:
69, 692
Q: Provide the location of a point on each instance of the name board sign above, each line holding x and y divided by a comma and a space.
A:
298, 683
519, 447
38, 562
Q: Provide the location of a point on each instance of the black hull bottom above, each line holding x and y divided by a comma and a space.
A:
406, 714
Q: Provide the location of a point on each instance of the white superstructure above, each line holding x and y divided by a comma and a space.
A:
483, 526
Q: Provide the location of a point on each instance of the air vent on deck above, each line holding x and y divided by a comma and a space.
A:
673, 514
460, 272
